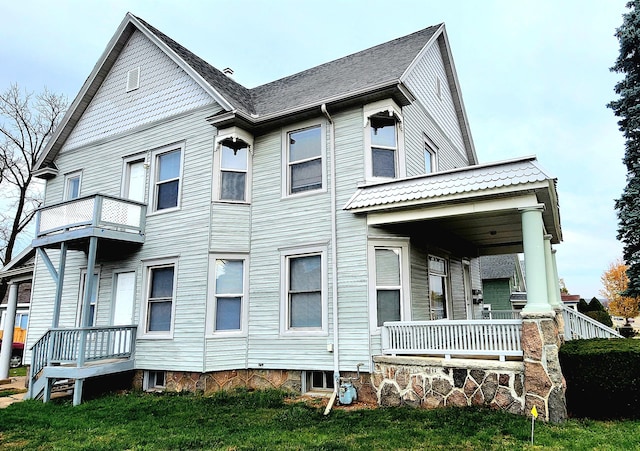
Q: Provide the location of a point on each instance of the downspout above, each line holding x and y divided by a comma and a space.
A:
334, 254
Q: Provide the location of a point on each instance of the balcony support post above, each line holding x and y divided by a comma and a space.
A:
59, 283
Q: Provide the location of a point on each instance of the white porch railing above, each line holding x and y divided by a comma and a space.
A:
495, 338
93, 211
578, 326
501, 314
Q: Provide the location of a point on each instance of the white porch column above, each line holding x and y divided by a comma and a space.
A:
553, 285
7, 337
534, 257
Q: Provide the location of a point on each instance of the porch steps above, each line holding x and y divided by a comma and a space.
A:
64, 377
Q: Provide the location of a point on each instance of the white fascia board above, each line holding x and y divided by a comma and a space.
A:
449, 210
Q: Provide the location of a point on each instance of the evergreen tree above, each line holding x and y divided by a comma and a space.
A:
627, 109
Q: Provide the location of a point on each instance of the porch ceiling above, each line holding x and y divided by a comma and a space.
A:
479, 205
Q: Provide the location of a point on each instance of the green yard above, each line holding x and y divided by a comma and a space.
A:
267, 420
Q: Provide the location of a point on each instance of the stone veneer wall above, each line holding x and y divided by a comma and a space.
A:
435, 382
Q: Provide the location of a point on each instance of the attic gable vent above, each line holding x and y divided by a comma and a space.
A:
133, 79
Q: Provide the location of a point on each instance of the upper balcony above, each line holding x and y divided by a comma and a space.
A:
97, 215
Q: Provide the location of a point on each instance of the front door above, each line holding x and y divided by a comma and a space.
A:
123, 303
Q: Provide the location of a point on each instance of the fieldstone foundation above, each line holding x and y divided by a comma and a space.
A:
429, 382
208, 383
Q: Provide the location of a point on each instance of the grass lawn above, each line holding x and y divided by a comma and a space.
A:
267, 420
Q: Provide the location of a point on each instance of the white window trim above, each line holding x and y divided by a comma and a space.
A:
67, 179
285, 157
447, 282
233, 133
211, 297
149, 381
126, 162
392, 109
405, 278
285, 256
81, 288
142, 322
151, 211
431, 148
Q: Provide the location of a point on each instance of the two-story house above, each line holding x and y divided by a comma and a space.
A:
205, 235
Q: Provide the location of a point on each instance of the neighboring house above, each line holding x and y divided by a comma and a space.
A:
501, 276
14, 307
206, 235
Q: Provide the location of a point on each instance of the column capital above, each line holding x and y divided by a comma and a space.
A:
539, 207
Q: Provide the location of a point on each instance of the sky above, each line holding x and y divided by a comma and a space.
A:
534, 76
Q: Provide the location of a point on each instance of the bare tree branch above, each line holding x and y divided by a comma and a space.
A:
27, 122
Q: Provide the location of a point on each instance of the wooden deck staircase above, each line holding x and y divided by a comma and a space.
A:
79, 354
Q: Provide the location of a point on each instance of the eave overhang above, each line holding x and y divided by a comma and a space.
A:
259, 124
482, 204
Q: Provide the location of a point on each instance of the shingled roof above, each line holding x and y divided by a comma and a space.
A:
384, 63
233, 91
498, 266
478, 179
359, 74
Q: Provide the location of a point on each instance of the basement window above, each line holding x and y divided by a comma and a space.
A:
319, 381
154, 380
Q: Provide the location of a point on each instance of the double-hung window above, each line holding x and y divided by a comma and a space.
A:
384, 158
167, 178
233, 165
389, 281
305, 308
227, 307
438, 287
72, 185
430, 156
134, 178
304, 151
388, 284
160, 298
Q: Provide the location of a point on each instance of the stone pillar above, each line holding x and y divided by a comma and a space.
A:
543, 381
535, 264
9, 324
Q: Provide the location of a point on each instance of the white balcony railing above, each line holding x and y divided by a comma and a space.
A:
495, 338
99, 210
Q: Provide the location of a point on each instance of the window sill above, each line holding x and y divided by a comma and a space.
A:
148, 336
163, 211
232, 202
305, 194
228, 334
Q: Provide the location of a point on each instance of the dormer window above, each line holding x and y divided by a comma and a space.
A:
384, 157
233, 165
384, 146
